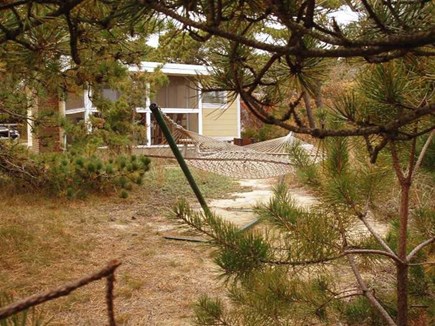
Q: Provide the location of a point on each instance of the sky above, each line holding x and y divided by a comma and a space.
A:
344, 15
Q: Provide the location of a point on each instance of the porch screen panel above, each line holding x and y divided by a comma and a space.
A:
188, 121
178, 94
192, 95
74, 101
161, 97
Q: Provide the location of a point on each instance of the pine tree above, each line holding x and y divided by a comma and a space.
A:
277, 56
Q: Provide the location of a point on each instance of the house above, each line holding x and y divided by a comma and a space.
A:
207, 113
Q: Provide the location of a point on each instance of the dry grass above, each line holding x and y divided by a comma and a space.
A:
46, 242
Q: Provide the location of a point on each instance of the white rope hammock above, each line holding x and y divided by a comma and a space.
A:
256, 161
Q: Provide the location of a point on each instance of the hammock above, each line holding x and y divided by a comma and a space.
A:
256, 161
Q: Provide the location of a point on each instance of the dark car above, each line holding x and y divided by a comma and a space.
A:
8, 132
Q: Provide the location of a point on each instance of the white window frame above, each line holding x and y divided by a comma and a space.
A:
208, 105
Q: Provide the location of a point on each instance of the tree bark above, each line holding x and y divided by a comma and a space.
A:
309, 110
405, 182
402, 268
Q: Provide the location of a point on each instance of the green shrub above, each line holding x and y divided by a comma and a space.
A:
92, 174
72, 174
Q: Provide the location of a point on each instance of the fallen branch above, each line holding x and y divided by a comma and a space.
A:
107, 272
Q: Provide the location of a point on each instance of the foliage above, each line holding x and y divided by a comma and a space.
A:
176, 46
296, 270
72, 174
75, 175
41, 70
276, 56
263, 133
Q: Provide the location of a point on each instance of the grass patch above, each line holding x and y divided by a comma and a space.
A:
167, 181
45, 242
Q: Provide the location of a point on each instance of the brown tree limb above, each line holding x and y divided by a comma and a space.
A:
64, 290
369, 294
375, 17
346, 48
377, 236
343, 295
418, 248
64, 8
372, 252
309, 110
422, 153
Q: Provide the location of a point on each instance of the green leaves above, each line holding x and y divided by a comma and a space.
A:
302, 237
73, 175
281, 210
210, 312
238, 253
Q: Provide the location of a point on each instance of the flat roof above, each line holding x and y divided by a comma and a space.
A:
171, 68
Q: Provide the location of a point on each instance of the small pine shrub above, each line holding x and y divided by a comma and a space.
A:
73, 175
123, 194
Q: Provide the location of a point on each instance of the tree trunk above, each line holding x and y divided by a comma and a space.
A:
309, 110
402, 268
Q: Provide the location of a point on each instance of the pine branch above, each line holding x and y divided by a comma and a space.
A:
422, 153
376, 235
64, 8
346, 48
303, 262
369, 294
418, 248
396, 163
106, 272
340, 296
375, 17
372, 252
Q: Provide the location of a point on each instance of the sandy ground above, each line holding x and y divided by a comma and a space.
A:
239, 208
159, 279
159, 283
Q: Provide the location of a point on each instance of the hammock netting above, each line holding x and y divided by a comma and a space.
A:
261, 160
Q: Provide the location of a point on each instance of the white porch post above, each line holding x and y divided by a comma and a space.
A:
148, 114
32, 112
30, 127
62, 114
88, 108
239, 127
148, 122
200, 115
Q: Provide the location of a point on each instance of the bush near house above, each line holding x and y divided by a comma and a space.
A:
71, 174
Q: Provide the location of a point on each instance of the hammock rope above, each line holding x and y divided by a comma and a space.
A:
256, 161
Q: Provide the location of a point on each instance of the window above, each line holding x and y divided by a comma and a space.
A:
214, 97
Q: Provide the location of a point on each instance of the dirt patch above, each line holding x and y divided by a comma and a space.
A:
239, 208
